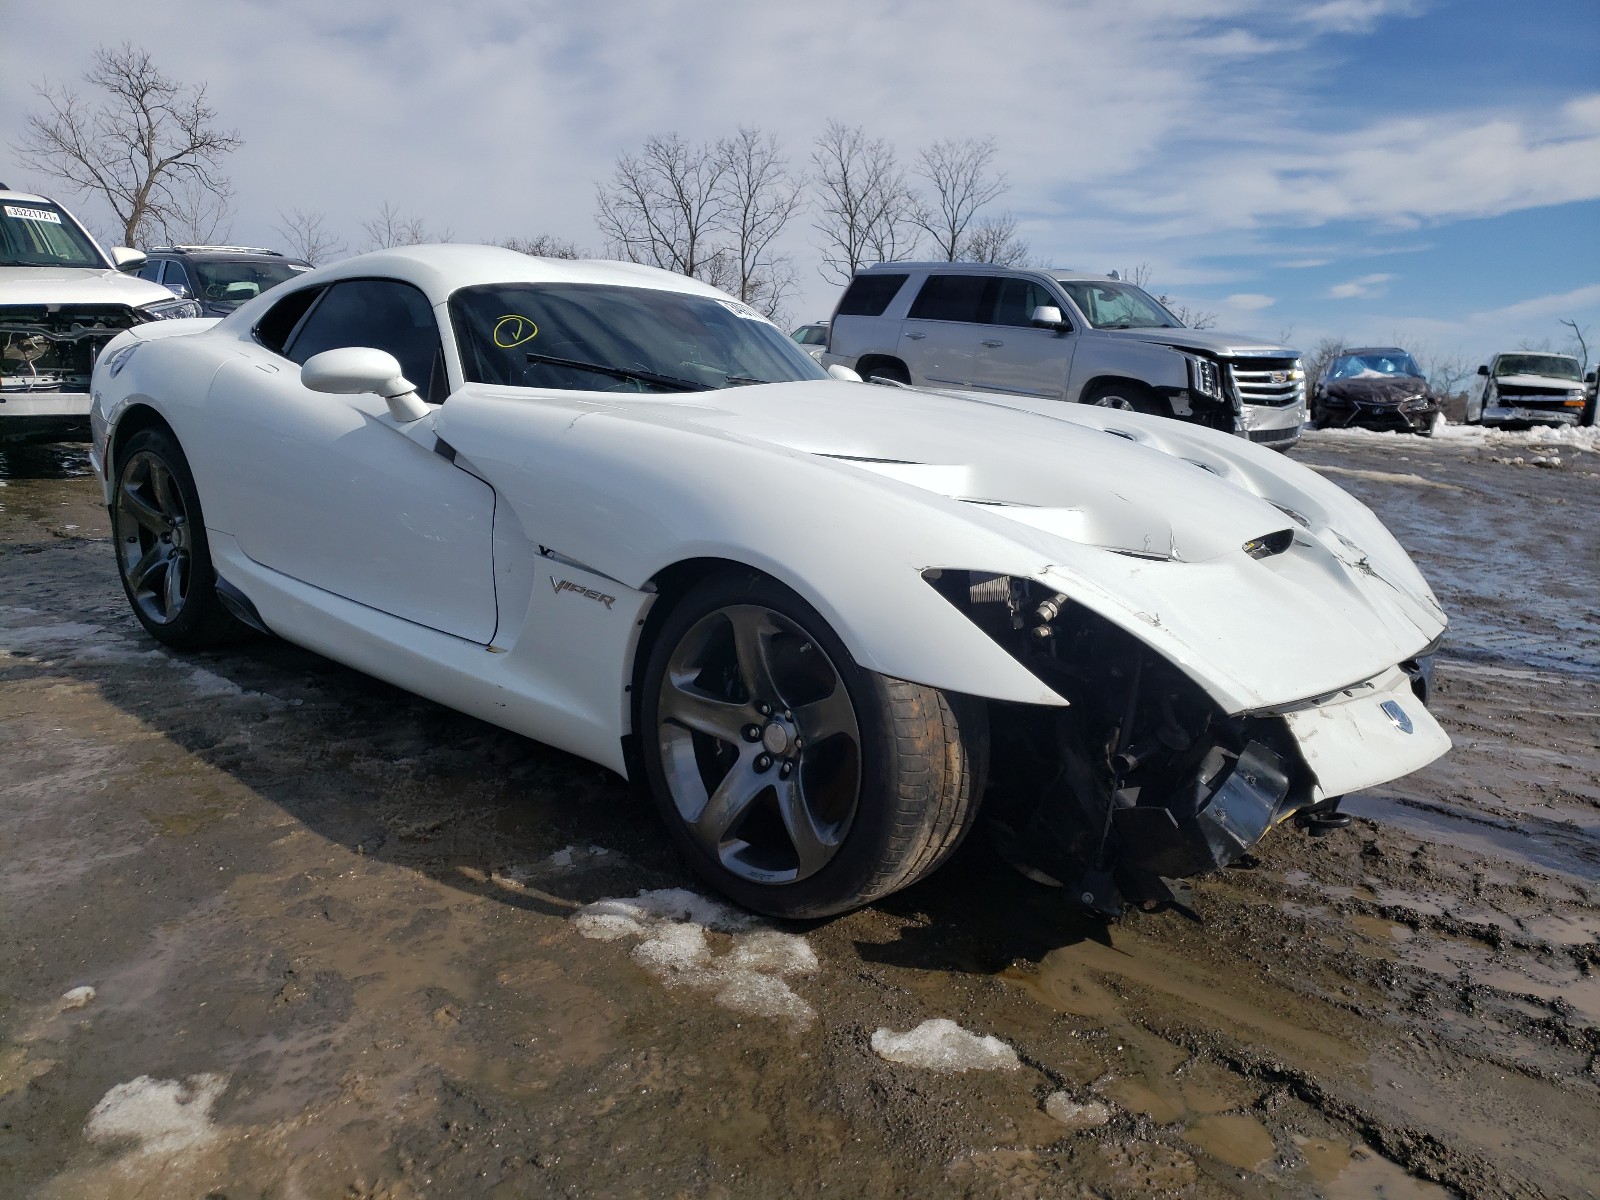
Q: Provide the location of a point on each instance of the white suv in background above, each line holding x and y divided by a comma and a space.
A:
1048, 334
62, 298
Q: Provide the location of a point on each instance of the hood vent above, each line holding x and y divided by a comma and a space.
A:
1269, 544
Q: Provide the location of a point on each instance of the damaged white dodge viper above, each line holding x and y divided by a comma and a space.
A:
823, 622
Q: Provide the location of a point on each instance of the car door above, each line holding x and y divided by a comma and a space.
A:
939, 338
1015, 357
331, 490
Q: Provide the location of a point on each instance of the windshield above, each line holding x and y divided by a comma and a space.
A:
1110, 305
41, 235
555, 335
1373, 366
232, 283
1551, 366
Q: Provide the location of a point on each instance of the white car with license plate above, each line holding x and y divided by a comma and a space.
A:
822, 621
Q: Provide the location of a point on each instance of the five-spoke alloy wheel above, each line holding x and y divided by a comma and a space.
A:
162, 552
793, 780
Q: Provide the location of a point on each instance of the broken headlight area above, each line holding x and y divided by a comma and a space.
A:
52, 348
1142, 780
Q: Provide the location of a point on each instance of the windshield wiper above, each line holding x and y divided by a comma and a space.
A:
666, 381
744, 379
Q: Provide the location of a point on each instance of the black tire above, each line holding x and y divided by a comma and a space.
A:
886, 796
1127, 397
163, 557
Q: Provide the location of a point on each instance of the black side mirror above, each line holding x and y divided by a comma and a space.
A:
1483, 370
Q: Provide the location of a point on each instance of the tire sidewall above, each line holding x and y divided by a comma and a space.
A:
200, 605
844, 882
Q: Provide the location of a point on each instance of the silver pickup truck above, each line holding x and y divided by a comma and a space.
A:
1061, 335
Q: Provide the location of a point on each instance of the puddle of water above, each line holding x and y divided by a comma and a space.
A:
1237, 1140
1341, 1172
1578, 857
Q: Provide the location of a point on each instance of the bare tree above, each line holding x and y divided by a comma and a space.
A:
544, 246
1316, 363
135, 142
390, 227
198, 215
308, 237
994, 240
1191, 318
1583, 345
665, 207
866, 211
958, 169
760, 196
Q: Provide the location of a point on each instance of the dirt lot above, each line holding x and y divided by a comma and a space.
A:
344, 943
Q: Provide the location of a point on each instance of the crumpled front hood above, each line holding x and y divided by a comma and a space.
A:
1208, 340
1069, 479
77, 285
1264, 581
1516, 383
1386, 389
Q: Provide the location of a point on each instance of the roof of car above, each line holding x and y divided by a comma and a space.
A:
222, 252
1372, 350
440, 269
977, 268
6, 194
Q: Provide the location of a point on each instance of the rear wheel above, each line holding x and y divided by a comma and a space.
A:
793, 780
163, 556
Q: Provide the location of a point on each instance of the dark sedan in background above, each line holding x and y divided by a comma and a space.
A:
1375, 387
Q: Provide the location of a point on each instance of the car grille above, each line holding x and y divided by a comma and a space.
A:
1275, 382
52, 349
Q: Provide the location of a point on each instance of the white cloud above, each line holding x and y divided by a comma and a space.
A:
1250, 301
1364, 288
1354, 16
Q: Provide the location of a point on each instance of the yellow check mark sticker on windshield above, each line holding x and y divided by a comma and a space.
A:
512, 330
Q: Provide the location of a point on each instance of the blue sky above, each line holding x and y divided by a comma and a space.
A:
1419, 170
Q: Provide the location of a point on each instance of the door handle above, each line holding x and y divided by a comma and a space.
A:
992, 342
915, 337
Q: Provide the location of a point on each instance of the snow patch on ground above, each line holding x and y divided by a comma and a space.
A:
165, 1116
939, 1044
1563, 436
750, 977
1090, 1115
30, 639
209, 683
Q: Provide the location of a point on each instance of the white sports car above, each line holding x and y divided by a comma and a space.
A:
615, 510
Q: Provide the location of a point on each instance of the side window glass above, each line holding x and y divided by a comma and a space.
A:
273, 330
1017, 298
955, 298
151, 270
382, 313
869, 295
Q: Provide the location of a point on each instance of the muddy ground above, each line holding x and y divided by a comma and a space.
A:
338, 942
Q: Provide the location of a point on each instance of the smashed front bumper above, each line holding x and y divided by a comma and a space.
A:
47, 355
1142, 780
1415, 416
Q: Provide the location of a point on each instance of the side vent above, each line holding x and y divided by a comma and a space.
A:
1269, 544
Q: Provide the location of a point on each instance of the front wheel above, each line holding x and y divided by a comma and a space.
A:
793, 780
1126, 397
163, 556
